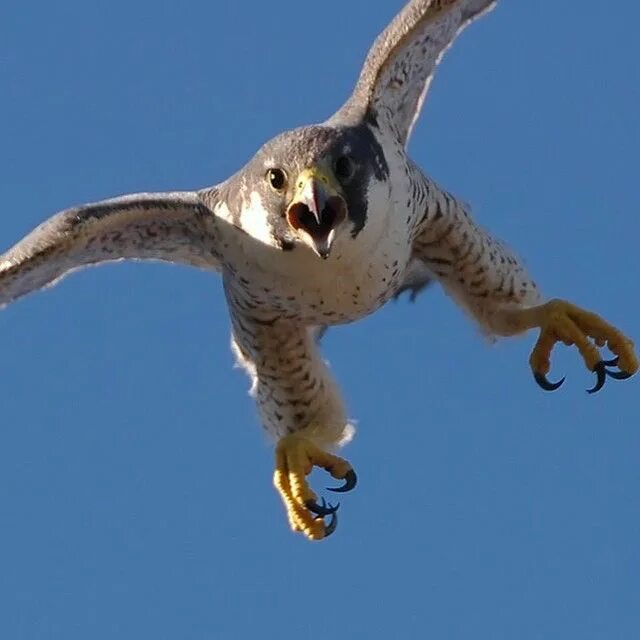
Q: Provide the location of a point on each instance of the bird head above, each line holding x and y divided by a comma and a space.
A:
309, 187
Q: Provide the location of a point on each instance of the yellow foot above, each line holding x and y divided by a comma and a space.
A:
295, 457
561, 321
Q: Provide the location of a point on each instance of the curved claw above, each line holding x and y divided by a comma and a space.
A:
331, 527
602, 372
601, 376
350, 481
618, 375
546, 384
321, 509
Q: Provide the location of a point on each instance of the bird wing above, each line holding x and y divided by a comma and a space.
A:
171, 227
417, 277
400, 65
478, 271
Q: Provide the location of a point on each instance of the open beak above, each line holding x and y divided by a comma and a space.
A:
317, 209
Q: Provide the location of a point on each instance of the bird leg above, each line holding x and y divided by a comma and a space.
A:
561, 321
295, 458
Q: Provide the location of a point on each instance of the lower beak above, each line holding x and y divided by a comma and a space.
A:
317, 209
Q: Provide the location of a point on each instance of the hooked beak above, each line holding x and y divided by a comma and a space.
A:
317, 209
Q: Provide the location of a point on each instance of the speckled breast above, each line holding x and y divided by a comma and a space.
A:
297, 284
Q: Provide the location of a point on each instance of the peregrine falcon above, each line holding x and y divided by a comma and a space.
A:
324, 225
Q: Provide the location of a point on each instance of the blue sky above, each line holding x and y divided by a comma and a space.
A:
135, 483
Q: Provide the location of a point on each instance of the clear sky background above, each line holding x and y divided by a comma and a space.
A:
135, 482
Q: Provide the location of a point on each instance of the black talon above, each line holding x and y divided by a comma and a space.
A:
618, 375
350, 481
323, 509
602, 372
331, 527
601, 376
546, 384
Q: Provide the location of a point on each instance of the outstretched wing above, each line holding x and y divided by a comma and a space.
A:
172, 227
400, 66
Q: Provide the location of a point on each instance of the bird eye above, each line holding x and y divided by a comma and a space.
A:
277, 178
344, 168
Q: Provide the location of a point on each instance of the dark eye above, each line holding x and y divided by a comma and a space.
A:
277, 178
344, 168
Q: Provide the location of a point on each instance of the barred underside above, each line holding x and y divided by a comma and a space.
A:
478, 271
290, 382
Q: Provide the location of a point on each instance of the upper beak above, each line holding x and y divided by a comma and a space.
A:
317, 209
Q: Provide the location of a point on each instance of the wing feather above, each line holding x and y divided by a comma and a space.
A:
399, 68
172, 227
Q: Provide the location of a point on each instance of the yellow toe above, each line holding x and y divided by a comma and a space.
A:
295, 458
562, 321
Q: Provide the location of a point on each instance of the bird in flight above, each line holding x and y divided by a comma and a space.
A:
324, 225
